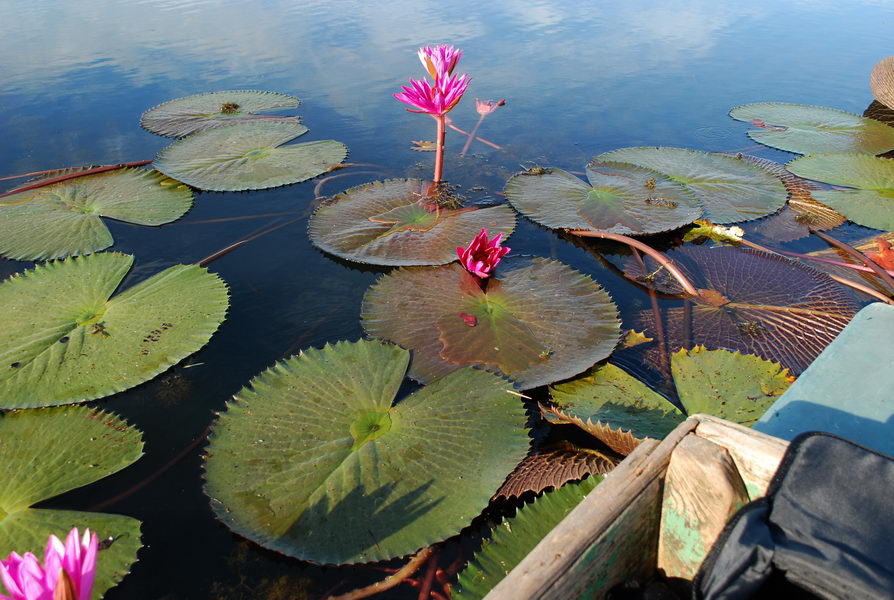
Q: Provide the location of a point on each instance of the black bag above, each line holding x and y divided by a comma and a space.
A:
825, 529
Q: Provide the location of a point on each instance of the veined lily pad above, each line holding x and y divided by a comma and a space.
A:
64, 340
315, 461
871, 204
620, 198
515, 537
764, 304
247, 156
47, 452
878, 111
804, 129
881, 80
63, 219
801, 214
399, 222
554, 466
730, 190
539, 320
729, 385
183, 116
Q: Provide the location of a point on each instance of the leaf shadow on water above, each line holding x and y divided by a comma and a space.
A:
354, 527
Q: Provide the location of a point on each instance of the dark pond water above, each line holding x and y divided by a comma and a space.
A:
579, 78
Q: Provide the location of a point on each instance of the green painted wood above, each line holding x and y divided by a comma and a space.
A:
847, 389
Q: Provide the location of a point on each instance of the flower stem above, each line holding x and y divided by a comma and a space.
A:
439, 147
658, 256
882, 273
472, 135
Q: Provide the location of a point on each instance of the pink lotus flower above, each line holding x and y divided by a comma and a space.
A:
440, 60
482, 256
67, 573
437, 99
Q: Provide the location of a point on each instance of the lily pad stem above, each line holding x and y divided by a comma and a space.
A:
659, 323
828, 261
391, 581
67, 176
882, 273
633, 243
439, 146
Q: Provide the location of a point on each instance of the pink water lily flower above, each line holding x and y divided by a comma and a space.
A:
437, 99
440, 60
482, 256
485, 108
67, 573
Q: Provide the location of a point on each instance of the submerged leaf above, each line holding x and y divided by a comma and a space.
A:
778, 309
63, 219
47, 452
314, 460
183, 116
539, 321
401, 222
871, 204
731, 190
247, 156
804, 129
620, 198
515, 537
65, 340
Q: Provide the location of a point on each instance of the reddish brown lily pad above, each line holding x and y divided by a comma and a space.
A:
554, 466
539, 320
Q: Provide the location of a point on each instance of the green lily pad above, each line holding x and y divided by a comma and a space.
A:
871, 204
554, 466
47, 452
63, 219
539, 320
762, 304
247, 156
184, 116
620, 198
512, 540
315, 460
804, 129
400, 222
608, 402
64, 340
731, 190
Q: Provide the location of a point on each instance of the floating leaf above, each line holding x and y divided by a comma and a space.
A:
538, 322
515, 537
47, 452
247, 156
736, 387
63, 219
400, 222
620, 410
183, 116
878, 111
64, 340
554, 466
778, 309
881, 80
635, 338
312, 459
620, 198
730, 190
871, 204
804, 129
609, 395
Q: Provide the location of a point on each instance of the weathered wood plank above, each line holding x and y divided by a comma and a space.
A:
757, 455
586, 554
702, 490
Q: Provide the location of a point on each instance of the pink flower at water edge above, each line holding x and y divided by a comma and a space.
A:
67, 573
485, 108
482, 256
437, 99
439, 61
